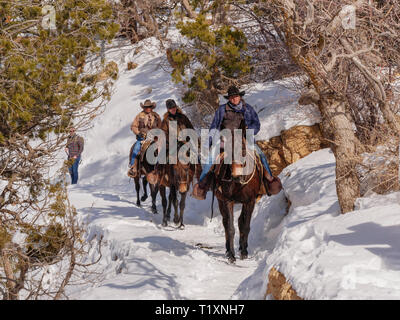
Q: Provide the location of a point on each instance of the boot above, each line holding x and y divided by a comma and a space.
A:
200, 189
267, 176
133, 171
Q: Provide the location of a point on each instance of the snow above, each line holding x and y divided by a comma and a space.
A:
326, 255
323, 254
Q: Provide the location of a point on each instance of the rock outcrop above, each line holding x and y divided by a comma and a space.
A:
279, 288
292, 145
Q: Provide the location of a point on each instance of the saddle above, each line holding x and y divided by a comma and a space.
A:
233, 174
141, 170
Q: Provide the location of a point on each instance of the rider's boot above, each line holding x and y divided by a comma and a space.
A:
200, 189
133, 171
267, 178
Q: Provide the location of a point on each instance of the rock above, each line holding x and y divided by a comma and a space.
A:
132, 65
279, 288
292, 145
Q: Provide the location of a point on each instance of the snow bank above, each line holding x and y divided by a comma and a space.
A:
323, 254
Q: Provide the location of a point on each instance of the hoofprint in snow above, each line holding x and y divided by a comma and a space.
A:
323, 254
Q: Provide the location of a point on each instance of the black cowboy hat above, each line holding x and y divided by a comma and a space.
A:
234, 91
170, 103
147, 104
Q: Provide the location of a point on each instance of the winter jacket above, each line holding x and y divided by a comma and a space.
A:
75, 146
144, 122
251, 119
182, 120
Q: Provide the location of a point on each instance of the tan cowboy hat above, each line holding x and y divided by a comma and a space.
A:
147, 104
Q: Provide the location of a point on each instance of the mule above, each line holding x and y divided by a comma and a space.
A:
231, 188
146, 172
177, 177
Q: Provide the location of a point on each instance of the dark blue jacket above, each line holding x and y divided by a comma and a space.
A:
250, 118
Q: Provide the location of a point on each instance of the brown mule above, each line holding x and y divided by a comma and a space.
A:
231, 189
145, 170
177, 177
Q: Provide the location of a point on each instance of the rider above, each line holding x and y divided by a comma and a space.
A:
231, 115
143, 122
174, 113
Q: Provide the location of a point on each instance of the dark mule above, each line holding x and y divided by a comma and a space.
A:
146, 171
230, 188
177, 177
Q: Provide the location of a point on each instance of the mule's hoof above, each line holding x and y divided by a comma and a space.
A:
154, 210
244, 256
231, 257
138, 203
165, 223
182, 227
176, 221
143, 198
231, 260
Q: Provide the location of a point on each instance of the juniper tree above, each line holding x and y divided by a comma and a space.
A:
44, 88
212, 58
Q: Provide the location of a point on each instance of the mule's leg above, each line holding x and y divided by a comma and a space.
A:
226, 209
170, 198
145, 196
244, 227
182, 208
164, 205
173, 201
137, 187
154, 191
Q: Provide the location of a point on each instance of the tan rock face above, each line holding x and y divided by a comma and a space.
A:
279, 288
292, 145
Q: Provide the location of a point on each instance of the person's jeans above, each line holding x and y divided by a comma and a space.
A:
210, 161
263, 159
73, 170
136, 149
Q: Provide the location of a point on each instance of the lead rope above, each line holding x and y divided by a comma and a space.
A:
213, 196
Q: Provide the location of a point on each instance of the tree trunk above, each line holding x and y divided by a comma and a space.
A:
332, 108
188, 8
344, 148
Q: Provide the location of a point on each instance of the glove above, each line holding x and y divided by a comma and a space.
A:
142, 135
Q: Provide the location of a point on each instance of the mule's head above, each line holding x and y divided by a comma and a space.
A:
183, 174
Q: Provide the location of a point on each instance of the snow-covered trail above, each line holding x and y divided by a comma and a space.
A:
143, 260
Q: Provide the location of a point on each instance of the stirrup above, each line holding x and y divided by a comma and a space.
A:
133, 172
199, 193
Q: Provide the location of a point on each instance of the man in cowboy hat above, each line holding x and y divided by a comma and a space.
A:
235, 114
143, 122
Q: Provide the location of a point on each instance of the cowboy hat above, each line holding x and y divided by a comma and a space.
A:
234, 91
147, 104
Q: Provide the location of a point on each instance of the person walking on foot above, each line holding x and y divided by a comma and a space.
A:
74, 150
232, 115
143, 122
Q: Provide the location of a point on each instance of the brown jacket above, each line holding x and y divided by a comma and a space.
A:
144, 122
182, 121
